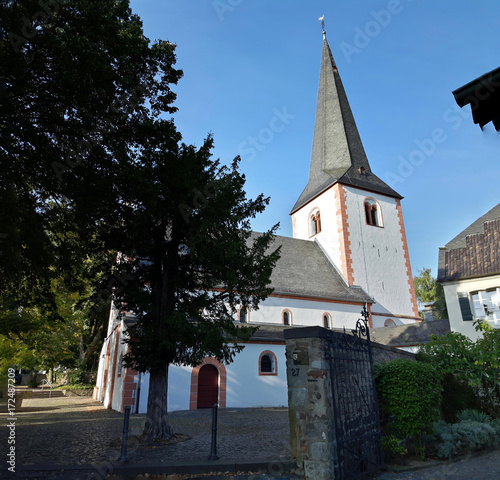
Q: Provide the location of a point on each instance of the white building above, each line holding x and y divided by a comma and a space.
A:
349, 251
469, 270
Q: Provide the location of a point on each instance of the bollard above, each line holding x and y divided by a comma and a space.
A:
123, 456
213, 451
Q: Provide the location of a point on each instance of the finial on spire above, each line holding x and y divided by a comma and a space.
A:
322, 20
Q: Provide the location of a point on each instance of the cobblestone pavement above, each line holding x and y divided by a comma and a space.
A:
79, 431
76, 431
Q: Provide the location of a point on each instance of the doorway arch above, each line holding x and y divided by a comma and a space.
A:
208, 385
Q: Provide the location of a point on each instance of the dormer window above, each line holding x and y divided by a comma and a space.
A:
314, 223
373, 214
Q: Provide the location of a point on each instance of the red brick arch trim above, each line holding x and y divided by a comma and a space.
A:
193, 401
343, 230
330, 320
411, 287
273, 356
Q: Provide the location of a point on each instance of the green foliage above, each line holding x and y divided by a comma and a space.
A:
464, 436
39, 339
475, 363
394, 448
32, 383
76, 386
93, 155
427, 289
457, 396
471, 415
411, 392
77, 377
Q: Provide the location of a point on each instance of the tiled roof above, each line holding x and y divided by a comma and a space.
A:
304, 270
473, 252
410, 334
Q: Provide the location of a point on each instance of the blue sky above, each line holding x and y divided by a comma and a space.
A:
251, 74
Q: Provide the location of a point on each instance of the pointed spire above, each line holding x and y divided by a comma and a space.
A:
337, 152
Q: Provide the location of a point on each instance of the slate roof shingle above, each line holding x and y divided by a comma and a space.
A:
304, 270
337, 151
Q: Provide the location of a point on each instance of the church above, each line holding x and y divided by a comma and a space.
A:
348, 251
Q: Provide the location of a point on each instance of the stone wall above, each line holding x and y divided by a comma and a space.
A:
382, 353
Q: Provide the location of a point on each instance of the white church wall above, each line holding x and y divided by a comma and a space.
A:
179, 387
113, 344
378, 254
246, 388
379, 321
118, 372
329, 235
305, 312
99, 384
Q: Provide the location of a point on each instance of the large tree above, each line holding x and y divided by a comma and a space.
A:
88, 154
77, 78
427, 289
192, 262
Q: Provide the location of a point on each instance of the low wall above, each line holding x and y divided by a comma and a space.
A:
78, 392
382, 353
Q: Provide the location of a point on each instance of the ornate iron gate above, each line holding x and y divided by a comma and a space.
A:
357, 425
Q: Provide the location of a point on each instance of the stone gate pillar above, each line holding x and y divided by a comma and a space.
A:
334, 417
310, 402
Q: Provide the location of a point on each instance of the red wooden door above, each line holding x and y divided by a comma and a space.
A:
208, 386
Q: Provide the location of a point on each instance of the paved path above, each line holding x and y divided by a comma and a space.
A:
77, 431
80, 433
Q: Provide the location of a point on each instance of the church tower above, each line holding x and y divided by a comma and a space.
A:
352, 214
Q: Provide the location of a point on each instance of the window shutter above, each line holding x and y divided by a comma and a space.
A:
463, 300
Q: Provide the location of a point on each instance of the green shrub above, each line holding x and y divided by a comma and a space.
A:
394, 448
410, 392
463, 436
457, 396
473, 416
77, 377
32, 383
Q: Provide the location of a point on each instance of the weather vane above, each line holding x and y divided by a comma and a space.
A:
322, 20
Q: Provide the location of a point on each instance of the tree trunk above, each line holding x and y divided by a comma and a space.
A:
157, 426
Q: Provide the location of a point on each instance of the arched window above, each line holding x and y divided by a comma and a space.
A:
373, 214
327, 320
243, 315
268, 364
389, 323
315, 222
286, 317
